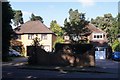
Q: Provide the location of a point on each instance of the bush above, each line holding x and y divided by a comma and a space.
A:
116, 46
77, 48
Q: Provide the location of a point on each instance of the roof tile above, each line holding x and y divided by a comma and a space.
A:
33, 27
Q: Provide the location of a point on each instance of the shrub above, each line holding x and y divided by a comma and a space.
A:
116, 46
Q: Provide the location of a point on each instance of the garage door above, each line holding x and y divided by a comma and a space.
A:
100, 53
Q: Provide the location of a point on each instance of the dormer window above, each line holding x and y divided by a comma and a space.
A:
94, 36
98, 36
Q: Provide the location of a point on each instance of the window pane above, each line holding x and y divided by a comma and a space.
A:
100, 36
30, 36
44, 36
94, 36
97, 36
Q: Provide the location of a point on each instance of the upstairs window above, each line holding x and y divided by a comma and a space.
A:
100, 36
44, 36
97, 36
94, 36
30, 36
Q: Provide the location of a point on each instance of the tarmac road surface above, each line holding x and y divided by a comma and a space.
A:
10, 70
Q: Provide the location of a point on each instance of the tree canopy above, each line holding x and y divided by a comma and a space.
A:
56, 28
7, 15
75, 27
34, 18
18, 19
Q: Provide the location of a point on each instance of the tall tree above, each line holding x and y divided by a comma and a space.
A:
34, 18
56, 28
7, 15
75, 27
18, 19
118, 20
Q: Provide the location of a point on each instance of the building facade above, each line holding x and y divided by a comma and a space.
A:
32, 29
98, 38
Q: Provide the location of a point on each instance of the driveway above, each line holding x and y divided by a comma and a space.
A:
107, 63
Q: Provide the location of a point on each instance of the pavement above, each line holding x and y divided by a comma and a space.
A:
21, 63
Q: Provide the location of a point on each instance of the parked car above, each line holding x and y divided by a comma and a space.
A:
116, 56
13, 52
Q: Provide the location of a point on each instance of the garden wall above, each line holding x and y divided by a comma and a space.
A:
64, 55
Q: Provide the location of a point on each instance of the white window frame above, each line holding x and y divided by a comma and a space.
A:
44, 37
99, 36
30, 36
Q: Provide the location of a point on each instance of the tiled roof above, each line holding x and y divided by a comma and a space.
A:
92, 28
32, 27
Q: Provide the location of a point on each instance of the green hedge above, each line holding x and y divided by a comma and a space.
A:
116, 46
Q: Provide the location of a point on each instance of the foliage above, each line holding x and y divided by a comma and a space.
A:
58, 40
118, 19
116, 45
18, 46
34, 18
36, 42
36, 47
15, 43
75, 27
18, 19
7, 15
56, 28
109, 24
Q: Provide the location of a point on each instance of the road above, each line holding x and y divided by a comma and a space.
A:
11, 70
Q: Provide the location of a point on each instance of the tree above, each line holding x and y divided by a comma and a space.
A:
115, 30
34, 18
7, 15
116, 45
56, 28
75, 27
18, 19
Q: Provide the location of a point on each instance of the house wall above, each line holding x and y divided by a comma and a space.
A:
99, 40
27, 42
99, 43
53, 39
